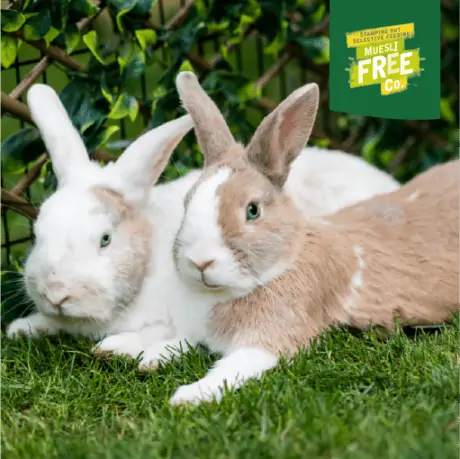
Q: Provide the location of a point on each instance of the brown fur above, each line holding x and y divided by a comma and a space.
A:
411, 267
393, 256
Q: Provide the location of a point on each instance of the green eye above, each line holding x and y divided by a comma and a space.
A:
252, 211
105, 240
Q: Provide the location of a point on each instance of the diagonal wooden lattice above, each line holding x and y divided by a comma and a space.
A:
12, 198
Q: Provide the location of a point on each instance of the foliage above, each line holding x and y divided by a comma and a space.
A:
109, 88
105, 90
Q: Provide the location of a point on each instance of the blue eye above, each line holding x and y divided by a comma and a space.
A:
252, 211
105, 240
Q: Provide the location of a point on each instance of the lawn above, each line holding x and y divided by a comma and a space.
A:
353, 396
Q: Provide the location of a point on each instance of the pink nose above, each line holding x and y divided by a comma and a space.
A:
201, 266
57, 304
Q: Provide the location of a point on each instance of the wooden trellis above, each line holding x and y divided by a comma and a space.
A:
13, 199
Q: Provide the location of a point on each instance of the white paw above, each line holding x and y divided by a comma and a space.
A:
153, 355
195, 394
126, 344
25, 327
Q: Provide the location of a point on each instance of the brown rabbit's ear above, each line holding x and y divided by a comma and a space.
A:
283, 133
211, 129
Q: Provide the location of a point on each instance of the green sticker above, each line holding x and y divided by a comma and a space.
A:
385, 58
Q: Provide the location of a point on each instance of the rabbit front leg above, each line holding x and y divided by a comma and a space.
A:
131, 343
32, 326
162, 351
234, 369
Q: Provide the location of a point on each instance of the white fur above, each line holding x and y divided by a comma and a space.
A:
231, 371
167, 312
67, 253
322, 181
201, 235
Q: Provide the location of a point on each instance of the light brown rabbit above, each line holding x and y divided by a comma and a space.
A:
287, 279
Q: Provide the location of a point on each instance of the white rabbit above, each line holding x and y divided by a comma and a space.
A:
287, 278
101, 262
129, 291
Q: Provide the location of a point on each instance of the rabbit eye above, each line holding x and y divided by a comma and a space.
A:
105, 240
252, 211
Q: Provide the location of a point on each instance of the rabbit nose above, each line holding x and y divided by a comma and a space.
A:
201, 266
57, 303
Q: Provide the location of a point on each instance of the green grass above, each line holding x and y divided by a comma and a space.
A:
357, 397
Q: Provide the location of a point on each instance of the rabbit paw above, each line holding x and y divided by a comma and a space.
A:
196, 393
160, 352
126, 344
30, 326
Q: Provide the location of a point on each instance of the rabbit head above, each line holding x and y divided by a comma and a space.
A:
93, 238
239, 227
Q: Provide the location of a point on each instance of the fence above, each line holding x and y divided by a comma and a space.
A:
274, 78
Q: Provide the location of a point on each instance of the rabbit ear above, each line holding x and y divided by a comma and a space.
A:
144, 160
283, 133
63, 142
211, 129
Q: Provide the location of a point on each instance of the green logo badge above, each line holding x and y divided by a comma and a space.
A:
385, 61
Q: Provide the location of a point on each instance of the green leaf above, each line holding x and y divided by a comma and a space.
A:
10, 46
100, 137
125, 105
121, 8
21, 148
51, 35
71, 38
81, 103
107, 133
38, 26
146, 37
186, 66
91, 40
59, 14
83, 8
12, 20
278, 42
143, 7
446, 111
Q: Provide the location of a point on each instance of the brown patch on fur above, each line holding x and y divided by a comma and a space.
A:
113, 199
136, 233
410, 270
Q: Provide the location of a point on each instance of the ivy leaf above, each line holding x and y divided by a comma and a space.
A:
100, 137
59, 14
121, 8
12, 20
446, 111
10, 46
316, 48
134, 68
125, 105
51, 35
146, 37
21, 148
79, 9
82, 106
91, 40
143, 7
71, 38
186, 66
38, 25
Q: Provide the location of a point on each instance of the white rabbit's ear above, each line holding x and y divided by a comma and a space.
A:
63, 142
211, 129
284, 132
144, 160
